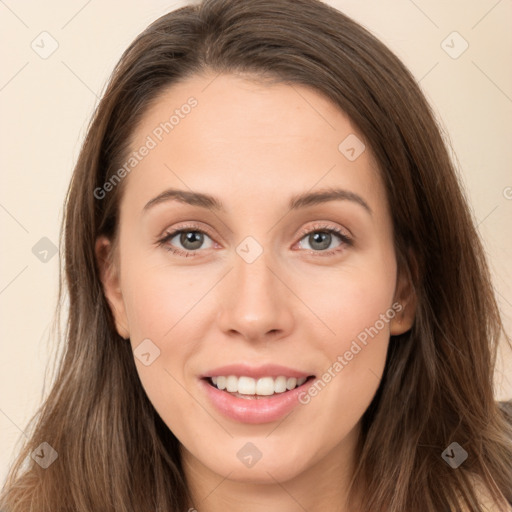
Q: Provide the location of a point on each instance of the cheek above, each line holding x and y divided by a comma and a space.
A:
351, 298
157, 298
356, 306
160, 308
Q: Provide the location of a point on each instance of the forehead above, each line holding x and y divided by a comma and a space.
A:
226, 133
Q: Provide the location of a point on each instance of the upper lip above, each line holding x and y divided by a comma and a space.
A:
256, 372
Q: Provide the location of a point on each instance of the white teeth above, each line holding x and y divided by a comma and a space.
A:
232, 384
221, 382
280, 384
246, 386
291, 383
264, 386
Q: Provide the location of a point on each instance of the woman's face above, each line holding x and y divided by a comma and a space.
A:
285, 269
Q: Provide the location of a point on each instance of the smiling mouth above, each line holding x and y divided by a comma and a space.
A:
256, 389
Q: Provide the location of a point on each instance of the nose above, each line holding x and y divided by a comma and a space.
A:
256, 303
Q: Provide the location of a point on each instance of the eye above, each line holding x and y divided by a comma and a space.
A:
321, 238
190, 238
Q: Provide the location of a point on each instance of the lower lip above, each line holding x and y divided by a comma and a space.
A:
260, 410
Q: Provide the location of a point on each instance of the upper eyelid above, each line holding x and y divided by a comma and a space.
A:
328, 226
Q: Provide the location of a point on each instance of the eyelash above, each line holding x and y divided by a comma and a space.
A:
346, 240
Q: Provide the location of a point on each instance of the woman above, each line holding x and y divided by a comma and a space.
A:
217, 358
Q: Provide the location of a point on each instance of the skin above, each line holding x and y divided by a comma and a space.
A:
253, 146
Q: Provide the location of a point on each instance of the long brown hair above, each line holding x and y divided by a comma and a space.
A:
114, 451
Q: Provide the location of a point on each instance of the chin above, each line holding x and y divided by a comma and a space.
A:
261, 474
272, 466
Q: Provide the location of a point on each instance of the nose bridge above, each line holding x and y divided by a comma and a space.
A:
254, 278
257, 303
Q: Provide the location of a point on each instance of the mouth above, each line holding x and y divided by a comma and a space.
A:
255, 394
250, 388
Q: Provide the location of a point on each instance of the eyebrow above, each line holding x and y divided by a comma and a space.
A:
326, 195
303, 200
183, 196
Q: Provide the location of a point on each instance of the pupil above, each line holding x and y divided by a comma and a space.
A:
323, 238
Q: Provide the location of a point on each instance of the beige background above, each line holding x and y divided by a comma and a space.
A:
46, 104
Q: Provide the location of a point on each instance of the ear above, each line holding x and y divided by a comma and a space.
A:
109, 275
406, 296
